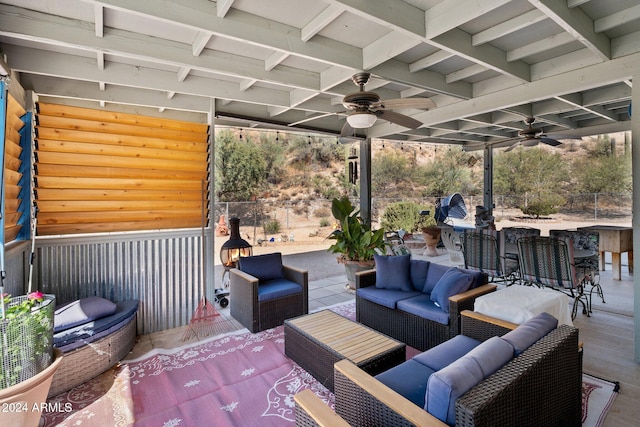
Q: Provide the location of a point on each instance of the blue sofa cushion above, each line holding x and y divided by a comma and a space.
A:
422, 306
408, 379
418, 271
386, 297
84, 334
277, 288
448, 384
81, 311
451, 283
434, 273
262, 267
393, 272
448, 352
529, 332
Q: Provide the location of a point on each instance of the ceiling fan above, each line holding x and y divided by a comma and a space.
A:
365, 108
530, 136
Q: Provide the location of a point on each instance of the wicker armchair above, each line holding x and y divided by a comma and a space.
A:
542, 386
311, 411
267, 292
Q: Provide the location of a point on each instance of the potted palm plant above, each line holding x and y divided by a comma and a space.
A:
26, 356
356, 241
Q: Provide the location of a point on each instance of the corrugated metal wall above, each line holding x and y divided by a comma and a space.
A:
163, 271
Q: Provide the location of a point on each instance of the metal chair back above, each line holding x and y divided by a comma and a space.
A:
481, 252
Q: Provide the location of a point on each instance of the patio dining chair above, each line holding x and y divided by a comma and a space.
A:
509, 243
586, 244
481, 252
546, 261
451, 241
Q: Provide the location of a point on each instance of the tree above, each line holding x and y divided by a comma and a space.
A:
389, 169
448, 173
535, 173
240, 167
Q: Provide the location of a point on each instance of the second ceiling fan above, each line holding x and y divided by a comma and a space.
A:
530, 136
365, 107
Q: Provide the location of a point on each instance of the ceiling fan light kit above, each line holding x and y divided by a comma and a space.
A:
365, 107
361, 120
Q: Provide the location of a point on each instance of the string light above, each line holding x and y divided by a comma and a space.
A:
309, 139
277, 136
240, 133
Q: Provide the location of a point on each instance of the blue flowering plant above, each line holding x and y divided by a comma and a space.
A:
26, 336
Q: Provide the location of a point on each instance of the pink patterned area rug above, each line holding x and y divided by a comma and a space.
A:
239, 379
597, 397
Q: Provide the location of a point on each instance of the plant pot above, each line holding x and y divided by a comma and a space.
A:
352, 267
26, 340
431, 239
22, 404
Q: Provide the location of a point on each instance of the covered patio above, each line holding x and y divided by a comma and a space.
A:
284, 66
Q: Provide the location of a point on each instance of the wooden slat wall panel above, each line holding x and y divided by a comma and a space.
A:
99, 171
114, 117
12, 165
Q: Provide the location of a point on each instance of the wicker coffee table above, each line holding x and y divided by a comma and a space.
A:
317, 341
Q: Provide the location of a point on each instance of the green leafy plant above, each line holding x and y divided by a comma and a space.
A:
272, 226
26, 334
355, 240
406, 216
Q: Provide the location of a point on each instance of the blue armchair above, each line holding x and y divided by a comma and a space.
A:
264, 293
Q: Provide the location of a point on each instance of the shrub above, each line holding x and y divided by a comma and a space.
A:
544, 204
325, 222
406, 216
272, 226
322, 213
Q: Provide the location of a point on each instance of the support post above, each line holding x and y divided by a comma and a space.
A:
635, 220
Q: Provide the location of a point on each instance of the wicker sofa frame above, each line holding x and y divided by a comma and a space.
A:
542, 386
415, 331
86, 362
260, 315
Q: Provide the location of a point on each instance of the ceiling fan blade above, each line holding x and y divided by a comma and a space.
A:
422, 103
560, 136
399, 119
347, 130
513, 146
550, 141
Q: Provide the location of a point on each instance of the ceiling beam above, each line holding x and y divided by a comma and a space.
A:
508, 27
320, 21
29, 25
578, 24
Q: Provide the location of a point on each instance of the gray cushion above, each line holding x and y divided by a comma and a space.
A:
453, 282
525, 335
448, 352
81, 311
448, 384
263, 267
392, 272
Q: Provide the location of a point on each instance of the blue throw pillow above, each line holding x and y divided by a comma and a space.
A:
392, 272
81, 311
453, 282
418, 273
529, 332
434, 273
263, 267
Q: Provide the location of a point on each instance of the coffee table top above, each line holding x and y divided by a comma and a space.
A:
352, 340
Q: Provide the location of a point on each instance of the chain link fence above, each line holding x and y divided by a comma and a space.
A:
263, 220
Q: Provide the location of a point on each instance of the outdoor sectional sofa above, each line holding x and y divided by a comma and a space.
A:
415, 301
530, 376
